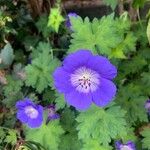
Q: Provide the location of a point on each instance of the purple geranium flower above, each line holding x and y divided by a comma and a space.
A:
52, 115
29, 113
128, 146
68, 23
85, 78
147, 106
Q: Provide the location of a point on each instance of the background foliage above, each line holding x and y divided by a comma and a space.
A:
33, 44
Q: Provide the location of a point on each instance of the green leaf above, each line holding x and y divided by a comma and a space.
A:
2, 135
146, 81
39, 73
133, 65
146, 140
42, 26
47, 135
48, 96
138, 3
55, 19
12, 91
60, 101
129, 136
94, 145
112, 3
70, 140
131, 98
79, 40
102, 124
34, 145
11, 137
13, 86
42, 47
6, 56
118, 53
125, 46
140, 33
105, 36
30, 41
68, 120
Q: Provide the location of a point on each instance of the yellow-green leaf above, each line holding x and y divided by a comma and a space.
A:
55, 19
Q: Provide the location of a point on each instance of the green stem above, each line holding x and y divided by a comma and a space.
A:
139, 18
52, 54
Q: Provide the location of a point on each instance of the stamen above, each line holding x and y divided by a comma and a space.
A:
31, 112
85, 80
126, 148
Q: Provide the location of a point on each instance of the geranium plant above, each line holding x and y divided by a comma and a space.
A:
69, 82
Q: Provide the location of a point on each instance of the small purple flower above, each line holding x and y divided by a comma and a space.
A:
85, 78
128, 146
52, 115
29, 113
68, 23
147, 106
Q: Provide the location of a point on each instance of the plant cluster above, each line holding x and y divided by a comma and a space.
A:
74, 83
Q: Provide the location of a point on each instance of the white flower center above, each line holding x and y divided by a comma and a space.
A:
31, 112
147, 105
85, 80
125, 147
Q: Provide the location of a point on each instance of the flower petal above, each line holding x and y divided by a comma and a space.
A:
81, 101
68, 23
35, 123
131, 145
22, 116
62, 80
103, 66
25, 102
118, 144
77, 59
105, 93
